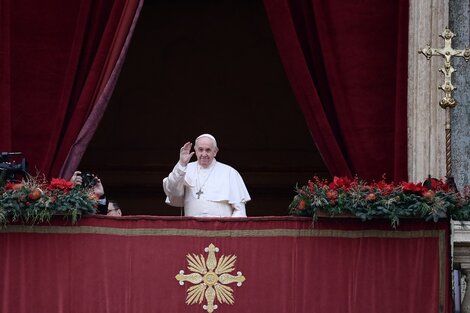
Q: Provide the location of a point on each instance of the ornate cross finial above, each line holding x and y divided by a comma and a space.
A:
447, 102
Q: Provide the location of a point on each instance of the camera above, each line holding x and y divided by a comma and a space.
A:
89, 180
9, 170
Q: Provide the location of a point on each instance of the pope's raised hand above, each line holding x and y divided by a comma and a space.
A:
185, 153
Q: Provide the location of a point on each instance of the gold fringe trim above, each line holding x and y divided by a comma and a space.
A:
221, 233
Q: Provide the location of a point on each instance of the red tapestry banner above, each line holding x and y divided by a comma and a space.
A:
260, 264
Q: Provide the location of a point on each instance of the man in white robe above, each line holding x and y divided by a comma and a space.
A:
205, 188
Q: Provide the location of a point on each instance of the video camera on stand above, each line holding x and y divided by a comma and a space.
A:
10, 171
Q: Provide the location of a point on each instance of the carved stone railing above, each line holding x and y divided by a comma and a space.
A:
461, 259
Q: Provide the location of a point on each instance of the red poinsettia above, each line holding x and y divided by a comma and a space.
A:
341, 182
437, 184
10, 186
59, 183
413, 188
384, 188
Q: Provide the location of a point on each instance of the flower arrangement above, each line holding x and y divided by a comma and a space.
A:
34, 200
432, 200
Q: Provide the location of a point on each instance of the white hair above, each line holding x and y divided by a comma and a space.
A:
208, 136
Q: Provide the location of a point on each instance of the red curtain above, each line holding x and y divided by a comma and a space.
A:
347, 65
57, 58
130, 264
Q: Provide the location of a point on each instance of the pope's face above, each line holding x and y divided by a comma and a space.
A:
205, 151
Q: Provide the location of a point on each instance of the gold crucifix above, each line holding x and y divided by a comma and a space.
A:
447, 102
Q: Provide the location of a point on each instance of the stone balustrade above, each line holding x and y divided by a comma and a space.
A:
461, 260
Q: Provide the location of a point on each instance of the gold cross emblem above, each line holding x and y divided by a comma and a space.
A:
447, 102
210, 278
447, 53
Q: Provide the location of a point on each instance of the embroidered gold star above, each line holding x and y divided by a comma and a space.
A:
210, 278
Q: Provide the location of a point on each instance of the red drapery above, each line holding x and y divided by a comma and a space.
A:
347, 65
130, 264
57, 58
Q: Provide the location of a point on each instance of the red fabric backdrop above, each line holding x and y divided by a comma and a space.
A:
57, 57
346, 62
347, 65
129, 264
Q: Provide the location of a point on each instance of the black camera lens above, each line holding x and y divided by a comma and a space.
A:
89, 180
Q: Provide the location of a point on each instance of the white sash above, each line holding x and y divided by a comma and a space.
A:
204, 208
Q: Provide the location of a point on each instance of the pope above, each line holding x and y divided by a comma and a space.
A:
205, 187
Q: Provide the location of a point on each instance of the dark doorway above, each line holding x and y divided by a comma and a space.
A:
195, 67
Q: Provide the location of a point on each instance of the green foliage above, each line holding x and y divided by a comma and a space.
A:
431, 200
35, 201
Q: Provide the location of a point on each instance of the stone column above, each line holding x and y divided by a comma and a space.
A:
426, 134
459, 23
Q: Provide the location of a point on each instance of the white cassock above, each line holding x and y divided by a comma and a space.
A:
215, 191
